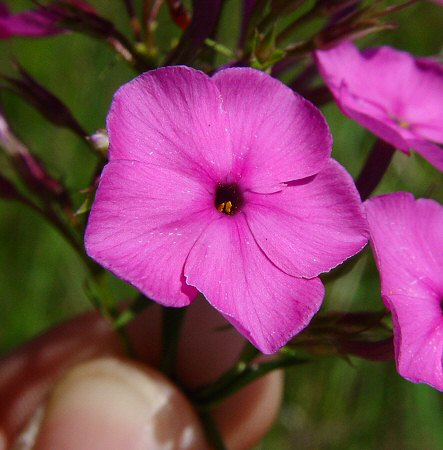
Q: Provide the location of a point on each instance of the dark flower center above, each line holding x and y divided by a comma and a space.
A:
228, 198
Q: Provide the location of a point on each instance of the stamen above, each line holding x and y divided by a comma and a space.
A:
401, 122
228, 198
226, 207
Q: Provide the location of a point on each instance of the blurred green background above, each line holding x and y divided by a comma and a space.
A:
329, 404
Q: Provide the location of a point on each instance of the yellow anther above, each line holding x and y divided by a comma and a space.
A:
225, 207
400, 122
403, 123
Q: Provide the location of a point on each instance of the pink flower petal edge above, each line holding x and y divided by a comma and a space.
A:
327, 209
266, 305
407, 239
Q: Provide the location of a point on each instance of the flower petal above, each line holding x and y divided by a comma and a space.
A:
431, 152
403, 105
403, 88
277, 135
407, 238
317, 223
143, 223
372, 117
423, 106
266, 305
401, 138
171, 117
418, 328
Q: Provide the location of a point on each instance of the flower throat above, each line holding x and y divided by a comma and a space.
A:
228, 198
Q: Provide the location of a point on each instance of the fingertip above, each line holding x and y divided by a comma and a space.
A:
28, 373
110, 404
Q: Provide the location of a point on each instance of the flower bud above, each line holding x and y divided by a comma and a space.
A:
179, 14
100, 141
28, 167
37, 22
79, 16
43, 100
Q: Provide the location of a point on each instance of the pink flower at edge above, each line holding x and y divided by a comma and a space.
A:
396, 96
224, 185
407, 239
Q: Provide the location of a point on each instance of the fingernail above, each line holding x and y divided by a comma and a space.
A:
110, 404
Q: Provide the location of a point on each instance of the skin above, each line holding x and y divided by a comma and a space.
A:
73, 386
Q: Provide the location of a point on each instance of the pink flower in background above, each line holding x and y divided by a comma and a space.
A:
407, 239
33, 23
224, 185
397, 97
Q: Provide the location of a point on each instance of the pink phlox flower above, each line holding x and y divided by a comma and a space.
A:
224, 185
396, 96
407, 239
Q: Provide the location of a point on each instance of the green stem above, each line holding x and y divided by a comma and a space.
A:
211, 431
151, 10
219, 48
126, 342
250, 374
103, 303
248, 354
134, 22
172, 323
139, 304
374, 168
75, 242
